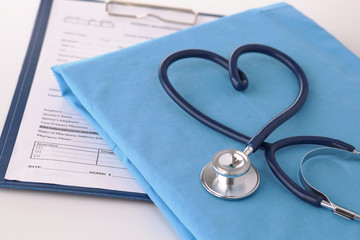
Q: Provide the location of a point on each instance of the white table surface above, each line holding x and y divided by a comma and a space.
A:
41, 215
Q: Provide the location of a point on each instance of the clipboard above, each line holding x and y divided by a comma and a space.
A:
21, 94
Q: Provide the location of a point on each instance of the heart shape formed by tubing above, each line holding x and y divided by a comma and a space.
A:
230, 175
239, 82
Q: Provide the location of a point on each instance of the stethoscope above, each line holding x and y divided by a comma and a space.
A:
230, 174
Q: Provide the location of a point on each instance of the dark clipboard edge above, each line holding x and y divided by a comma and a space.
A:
16, 111
210, 15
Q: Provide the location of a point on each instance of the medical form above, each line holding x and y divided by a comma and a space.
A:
54, 143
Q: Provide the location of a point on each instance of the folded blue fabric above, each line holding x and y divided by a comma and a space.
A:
165, 149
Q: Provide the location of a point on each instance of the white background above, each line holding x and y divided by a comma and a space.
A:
39, 215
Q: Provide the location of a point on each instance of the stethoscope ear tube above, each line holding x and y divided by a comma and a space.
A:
308, 196
326, 202
288, 182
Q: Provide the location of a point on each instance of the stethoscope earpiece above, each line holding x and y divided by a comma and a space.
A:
230, 175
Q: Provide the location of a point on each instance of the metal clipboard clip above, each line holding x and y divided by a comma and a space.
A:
140, 10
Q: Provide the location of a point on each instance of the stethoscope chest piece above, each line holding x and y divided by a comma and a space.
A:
230, 175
